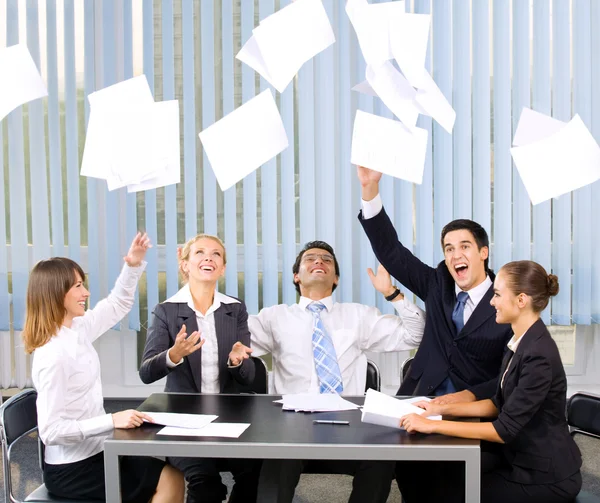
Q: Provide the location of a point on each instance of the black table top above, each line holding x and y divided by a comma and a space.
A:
269, 424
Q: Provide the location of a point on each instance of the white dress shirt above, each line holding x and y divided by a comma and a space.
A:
513, 344
286, 332
206, 326
66, 374
374, 206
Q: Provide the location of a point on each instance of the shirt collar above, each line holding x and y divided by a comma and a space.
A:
476, 293
184, 296
513, 344
305, 301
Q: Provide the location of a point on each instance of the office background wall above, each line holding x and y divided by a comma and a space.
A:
490, 58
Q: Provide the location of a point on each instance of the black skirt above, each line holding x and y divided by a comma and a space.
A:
85, 479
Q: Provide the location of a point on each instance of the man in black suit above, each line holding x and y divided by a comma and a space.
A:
461, 352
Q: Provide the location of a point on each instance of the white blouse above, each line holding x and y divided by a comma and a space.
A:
66, 374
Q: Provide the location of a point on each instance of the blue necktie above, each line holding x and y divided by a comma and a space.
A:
458, 315
326, 364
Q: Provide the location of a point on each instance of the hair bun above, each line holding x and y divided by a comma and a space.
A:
552, 283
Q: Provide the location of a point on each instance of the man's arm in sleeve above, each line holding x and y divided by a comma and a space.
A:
261, 334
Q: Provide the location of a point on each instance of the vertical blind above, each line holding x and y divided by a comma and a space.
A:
489, 58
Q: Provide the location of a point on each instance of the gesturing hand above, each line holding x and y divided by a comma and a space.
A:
130, 419
137, 250
383, 282
239, 353
185, 345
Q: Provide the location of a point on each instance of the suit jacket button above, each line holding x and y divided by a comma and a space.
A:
429, 388
455, 343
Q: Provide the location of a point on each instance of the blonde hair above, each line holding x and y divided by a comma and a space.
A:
184, 253
49, 282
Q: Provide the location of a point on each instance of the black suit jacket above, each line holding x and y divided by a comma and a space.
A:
472, 358
231, 324
532, 419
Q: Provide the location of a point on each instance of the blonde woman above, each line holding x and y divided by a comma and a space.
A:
199, 340
66, 373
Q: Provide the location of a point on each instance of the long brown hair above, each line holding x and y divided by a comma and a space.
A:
49, 282
530, 278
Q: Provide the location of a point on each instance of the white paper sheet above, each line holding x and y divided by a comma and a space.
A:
372, 23
409, 36
228, 430
245, 139
20, 80
316, 402
559, 163
534, 126
164, 148
433, 103
384, 410
394, 90
181, 420
387, 146
284, 41
365, 88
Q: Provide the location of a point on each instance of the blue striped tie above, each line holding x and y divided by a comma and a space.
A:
326, 364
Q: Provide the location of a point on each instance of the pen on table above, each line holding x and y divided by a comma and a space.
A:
328, 421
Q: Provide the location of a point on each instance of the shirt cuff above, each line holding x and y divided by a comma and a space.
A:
371, 208
405, 307
96, 425
229, 365
172, 365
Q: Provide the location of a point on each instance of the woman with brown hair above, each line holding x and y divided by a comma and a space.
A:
528, 454
72, 422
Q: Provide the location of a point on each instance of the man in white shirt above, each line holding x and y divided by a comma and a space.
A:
288, 333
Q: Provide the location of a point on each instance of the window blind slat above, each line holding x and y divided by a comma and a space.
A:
595, 105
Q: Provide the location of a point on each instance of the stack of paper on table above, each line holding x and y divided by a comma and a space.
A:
284, 41
181, 420
554, 157
316, 402
20, 80
131, 140
385, 410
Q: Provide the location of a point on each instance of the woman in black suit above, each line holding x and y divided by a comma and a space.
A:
528, 454
213, 358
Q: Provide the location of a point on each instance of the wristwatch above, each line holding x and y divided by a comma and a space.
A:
393, 295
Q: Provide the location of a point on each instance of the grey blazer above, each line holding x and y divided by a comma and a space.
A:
231, 324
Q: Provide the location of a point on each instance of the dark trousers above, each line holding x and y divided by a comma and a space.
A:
204, 480
434, 481
279, 478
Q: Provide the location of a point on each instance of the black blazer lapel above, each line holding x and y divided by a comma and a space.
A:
482, 313
187, 317
226, 330
449, 302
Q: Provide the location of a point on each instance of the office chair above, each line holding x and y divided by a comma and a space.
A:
583, 416
18, 418
405, 368
261, 377
373, 377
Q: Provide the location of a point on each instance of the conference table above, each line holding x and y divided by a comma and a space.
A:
278, 434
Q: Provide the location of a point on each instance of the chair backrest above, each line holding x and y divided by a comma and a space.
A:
18, 418
373, 377
583, 416
405, 368
261, 376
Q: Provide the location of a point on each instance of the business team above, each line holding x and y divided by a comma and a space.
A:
201, 340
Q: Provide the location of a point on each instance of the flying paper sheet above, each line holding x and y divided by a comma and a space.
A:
432, 102
387, 146
561, 162
372, 24
395, 91
534, 126
284, 41
244, 139
409, 36
385, 410
20, 80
